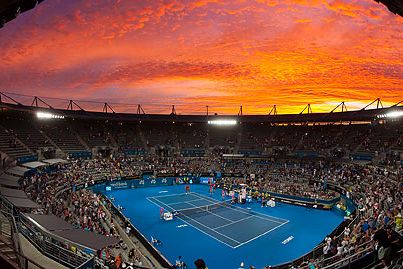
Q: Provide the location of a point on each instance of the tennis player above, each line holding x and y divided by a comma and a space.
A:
223, 194
161, 212
187, 189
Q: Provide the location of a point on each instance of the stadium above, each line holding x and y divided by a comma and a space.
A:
109, 183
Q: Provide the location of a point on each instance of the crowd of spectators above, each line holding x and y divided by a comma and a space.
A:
376, 191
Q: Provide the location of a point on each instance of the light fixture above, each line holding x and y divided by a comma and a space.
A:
393, 114
222, 122
46, 115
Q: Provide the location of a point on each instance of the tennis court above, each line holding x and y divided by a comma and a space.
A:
195, 233
229, 224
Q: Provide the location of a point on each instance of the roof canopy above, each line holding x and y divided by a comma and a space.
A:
22, 202
18, 170
9, 192
54, 161
9, 181
88, 239
54, 225
34, 164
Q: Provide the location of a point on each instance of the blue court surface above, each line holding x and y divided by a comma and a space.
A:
224, 235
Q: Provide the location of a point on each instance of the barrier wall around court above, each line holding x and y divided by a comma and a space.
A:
80, 154
296, 200
27, 159
305, 201
134, 182
150, 181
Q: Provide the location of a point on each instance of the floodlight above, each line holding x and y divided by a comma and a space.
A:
43, 115
222, 122
394, 114
46, 115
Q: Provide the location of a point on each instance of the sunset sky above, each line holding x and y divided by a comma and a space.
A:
224, 54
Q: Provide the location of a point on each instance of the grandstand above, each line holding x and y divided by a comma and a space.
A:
32, 193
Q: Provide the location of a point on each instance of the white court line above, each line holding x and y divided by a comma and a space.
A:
188, 202
211, 229
175, 194
256, 237
239, 209
149, 199
233, 222
212, 213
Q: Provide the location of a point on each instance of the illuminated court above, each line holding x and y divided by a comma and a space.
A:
207, 227
219, 220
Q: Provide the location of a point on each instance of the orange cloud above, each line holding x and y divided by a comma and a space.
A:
207, 52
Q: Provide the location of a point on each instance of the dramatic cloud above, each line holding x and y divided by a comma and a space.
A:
223, 54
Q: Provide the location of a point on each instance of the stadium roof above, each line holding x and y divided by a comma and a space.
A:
74, 110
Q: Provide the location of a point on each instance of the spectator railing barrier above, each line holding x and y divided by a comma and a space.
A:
14, 234
317, 252
88, 264
150, 248
23, 261
50, 246
348, 262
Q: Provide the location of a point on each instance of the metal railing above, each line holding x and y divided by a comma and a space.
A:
43, 243
347, 261
22, 261
317, 252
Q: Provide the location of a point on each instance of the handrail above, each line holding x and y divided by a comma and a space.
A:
16, 247
335, 264
46, 246
321, 245
14, 232
352, 251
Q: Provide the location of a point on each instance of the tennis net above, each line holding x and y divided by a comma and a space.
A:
204, 209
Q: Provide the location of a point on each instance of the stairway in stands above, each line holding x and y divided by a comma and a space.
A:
12, 146
6, 241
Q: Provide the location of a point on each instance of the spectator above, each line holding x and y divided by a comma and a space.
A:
200, 264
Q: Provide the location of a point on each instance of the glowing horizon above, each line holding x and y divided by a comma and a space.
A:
254, 53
